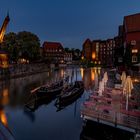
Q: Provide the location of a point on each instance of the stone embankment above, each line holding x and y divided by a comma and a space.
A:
21, 70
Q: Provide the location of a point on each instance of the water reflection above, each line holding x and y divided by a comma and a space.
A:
96, 131
90, 78
30, 115
61, 106
3, 118
15, 93
34, 102
4, 99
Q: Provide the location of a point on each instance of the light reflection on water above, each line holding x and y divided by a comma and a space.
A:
44, 122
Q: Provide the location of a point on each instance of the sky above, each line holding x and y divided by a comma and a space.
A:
70, 22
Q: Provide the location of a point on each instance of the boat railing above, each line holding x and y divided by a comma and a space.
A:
113, 117
130, 121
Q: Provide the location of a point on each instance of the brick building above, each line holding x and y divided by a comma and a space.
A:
119, 47
99, 51
132, 36
87, 49
95, 51
106, 52
53, 51
124, 49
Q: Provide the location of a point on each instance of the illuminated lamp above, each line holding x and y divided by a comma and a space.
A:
93, 55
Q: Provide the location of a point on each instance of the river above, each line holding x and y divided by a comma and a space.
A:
45, 121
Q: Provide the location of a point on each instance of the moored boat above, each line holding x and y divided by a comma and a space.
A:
49, 90
71, 94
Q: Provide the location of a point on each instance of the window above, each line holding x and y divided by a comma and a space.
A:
133, 42
134, 58
134, 51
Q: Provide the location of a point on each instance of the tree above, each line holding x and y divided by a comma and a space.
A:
29, 45
10, 45
67, 50
76, 53
24, 44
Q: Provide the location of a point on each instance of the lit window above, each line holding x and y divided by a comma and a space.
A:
93, 55
134, 51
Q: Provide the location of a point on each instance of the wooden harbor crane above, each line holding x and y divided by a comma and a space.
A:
4, 61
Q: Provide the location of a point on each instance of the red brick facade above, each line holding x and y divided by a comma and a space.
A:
87, 49
53, 51
132, 35
100, 52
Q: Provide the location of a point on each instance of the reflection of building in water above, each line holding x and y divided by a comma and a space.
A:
95, 131
3, 118
97, 72
62, 73
4, 93
90, 77
5, 97
82, 72
92, 74
4, 100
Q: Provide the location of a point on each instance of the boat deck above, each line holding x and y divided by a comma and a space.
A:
111, 110
121, 121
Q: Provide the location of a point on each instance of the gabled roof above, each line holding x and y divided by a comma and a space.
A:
52, 45
132, 23
88, 41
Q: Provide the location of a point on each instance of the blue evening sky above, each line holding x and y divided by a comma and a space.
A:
68, 21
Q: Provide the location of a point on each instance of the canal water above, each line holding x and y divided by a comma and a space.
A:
44, 121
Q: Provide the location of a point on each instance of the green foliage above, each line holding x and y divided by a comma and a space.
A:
76, 53
22, 45
67, 50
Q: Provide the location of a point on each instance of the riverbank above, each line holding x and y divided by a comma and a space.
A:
22, 70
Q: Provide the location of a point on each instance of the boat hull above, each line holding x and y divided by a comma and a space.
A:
49, 93
63, 101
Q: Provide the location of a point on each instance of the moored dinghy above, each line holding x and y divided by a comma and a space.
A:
71, 95
49, 90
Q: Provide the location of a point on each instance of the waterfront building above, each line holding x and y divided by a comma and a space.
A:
124, 49
87, 49
99, 51
95, 50
53, 52
132, 37
118, 51
106, 52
